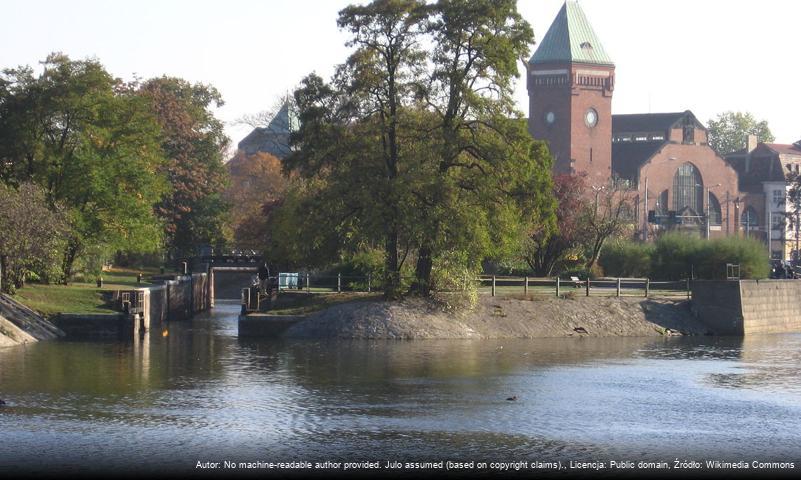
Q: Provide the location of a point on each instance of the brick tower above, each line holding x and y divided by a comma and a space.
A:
570, 84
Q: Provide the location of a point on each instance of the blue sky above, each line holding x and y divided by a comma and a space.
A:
707, 56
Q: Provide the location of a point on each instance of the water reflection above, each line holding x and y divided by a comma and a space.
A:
201, 392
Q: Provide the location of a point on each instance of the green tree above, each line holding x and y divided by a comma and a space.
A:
31, 235
194, 141
728, 132
486, 164
92, 144
422, 152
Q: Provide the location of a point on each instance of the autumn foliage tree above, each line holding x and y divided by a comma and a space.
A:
193, 140
256, 181
546, 249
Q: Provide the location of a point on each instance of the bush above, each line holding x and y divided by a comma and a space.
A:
676, 256
624, 258
749, 253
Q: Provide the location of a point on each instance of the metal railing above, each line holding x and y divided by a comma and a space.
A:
497, 285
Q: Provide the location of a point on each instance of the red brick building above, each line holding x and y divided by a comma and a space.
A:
664, 158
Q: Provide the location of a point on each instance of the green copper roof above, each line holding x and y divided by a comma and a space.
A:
571, 39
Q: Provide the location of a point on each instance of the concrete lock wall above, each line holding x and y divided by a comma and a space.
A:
748, 307
176, 299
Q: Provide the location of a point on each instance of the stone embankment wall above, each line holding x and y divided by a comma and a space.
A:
19, 324
748, 307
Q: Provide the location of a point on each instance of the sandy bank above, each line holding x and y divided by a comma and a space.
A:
497, 317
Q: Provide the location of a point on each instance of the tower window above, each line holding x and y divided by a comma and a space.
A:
586, 45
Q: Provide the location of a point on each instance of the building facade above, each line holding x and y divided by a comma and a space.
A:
677, 180
765, 172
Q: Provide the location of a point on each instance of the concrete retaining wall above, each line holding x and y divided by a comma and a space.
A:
265, 325
92, 325
771, 306
748, 307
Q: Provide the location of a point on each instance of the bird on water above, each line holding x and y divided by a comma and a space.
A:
512, 398
2, 403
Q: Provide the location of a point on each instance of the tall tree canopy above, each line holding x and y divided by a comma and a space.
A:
420, 150
193, 140
94, 146
728, 132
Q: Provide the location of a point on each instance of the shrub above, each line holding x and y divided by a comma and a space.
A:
749, 253
624, 258
676, 255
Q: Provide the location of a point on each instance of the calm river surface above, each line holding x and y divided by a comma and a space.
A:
201, 394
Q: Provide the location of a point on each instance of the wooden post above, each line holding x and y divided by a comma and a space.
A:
618, 286
245, 300
647, 286
339, 282
557, 286
493, 285
525, 286
369, 282
588, 285
308, 287
258, 300
688, 288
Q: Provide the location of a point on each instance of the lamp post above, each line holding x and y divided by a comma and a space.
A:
708, 209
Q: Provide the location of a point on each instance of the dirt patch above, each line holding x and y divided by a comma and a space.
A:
497, 317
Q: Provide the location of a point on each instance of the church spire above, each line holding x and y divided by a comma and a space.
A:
571, 39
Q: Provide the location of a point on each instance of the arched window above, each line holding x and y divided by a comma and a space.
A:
749, 219
714, 210
688, 190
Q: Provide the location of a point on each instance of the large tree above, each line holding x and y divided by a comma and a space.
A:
728, 132
422, 151
92, 143
194, 141
482, 157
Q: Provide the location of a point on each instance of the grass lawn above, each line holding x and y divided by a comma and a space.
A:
80, 297
302, 303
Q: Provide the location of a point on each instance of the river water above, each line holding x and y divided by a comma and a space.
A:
196, 392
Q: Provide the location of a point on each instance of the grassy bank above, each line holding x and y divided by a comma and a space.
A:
80, 297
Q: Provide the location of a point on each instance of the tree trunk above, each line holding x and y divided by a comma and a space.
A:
391, 269
596, 253
422, 282
69, 259
5, 286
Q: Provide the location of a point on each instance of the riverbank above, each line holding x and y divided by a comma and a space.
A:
80, 297
499, 317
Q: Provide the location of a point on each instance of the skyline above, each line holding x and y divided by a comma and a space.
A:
693, 56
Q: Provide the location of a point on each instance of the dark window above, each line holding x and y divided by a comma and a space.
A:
688, 134
714, 210
687, 190
749, 219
